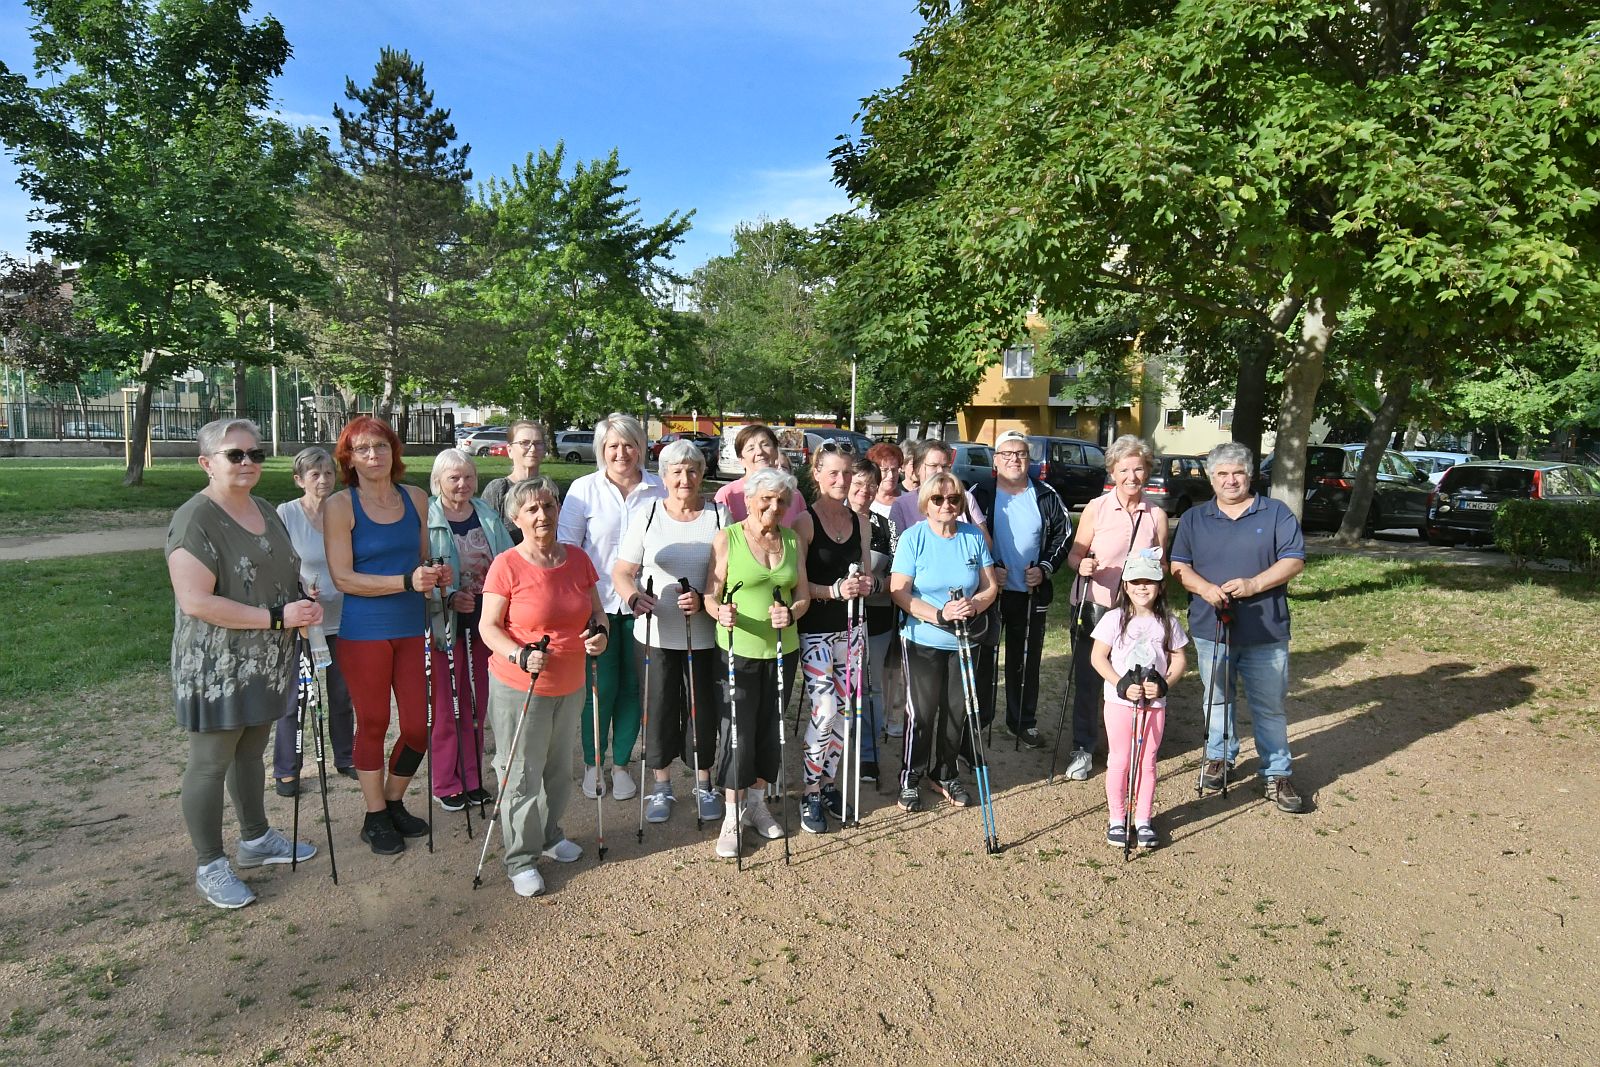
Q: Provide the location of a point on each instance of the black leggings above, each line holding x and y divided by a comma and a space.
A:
1022, 679
936, 716
668, 734
759, 718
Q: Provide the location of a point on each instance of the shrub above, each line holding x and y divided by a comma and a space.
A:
1550, 532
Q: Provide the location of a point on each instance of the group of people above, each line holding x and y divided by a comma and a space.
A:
634, 604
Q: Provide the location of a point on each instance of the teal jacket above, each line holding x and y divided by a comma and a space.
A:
443, 543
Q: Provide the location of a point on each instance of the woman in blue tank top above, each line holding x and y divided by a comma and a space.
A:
377, 546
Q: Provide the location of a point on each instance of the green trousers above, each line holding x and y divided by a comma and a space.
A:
540, 780
234, 758
619, 696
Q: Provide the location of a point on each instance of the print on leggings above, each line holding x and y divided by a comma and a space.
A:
826, 659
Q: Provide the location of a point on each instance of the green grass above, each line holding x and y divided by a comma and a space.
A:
44, 496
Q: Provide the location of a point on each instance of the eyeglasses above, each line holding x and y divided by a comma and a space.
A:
237, 456
844, 448
371, 450
939, 500
1012, 453
527, 446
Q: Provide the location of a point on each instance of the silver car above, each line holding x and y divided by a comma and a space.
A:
575, 446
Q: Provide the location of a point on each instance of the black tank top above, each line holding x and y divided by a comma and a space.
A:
827, 561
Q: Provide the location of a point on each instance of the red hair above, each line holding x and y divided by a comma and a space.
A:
362, 426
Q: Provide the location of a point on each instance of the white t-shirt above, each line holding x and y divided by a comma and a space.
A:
668, 550
307, 540
1141, 645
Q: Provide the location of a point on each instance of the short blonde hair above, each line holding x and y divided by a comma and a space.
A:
1130, 445
932, 486
624, 426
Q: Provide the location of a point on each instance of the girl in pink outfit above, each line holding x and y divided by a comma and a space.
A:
1139, 635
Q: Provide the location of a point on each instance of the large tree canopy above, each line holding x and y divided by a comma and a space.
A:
146, 143
1270, 163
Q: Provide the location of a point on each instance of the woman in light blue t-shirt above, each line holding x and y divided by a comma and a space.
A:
932, 561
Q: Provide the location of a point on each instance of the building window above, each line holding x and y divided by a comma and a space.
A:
1225, 419
1174, 418
1065, 419
1018, 362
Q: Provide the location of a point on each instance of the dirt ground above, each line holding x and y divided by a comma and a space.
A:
1436, 906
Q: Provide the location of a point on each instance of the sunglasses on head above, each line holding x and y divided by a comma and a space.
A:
237, 456
842, 447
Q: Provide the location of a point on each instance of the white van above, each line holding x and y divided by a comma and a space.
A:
791, 442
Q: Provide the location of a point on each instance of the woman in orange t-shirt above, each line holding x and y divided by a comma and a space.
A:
539, 588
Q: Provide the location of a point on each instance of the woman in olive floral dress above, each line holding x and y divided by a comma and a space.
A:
235, 576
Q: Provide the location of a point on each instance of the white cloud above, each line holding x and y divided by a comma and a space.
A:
805, 196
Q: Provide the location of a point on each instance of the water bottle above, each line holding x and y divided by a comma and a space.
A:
320, 656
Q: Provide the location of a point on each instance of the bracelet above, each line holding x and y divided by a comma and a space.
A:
407, 583
276, 614
938, 617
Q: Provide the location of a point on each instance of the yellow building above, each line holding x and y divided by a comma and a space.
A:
1012, 397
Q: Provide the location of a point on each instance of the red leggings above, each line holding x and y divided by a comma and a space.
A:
372, 669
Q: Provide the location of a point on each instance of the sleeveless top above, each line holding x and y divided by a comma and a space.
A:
827, 561
753, 636
392, 549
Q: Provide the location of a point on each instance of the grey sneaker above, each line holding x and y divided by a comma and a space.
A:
710, 804
219, 885
272, 847
563, 851
1081, 765
760, 819
1282, 792
658, 805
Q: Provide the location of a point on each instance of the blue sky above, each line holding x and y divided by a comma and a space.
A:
726, 107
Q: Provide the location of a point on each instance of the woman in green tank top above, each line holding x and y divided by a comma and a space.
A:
754, 558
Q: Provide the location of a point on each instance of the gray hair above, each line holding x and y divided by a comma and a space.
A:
1231, 452
1130, 445
770, 480
448, 460
309, 459
624, 426
681, 451
521, 492
212, 433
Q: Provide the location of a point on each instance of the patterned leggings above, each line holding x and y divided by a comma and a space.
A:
830, 663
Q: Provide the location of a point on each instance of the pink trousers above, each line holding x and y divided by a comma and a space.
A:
1119, 737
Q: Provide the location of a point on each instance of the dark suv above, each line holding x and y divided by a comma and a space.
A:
1463, 507
1075, 469
1399, 500
1177, 483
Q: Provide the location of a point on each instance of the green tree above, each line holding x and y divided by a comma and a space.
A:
577, 287
391, 203
38, 329
1270, 163
145, 141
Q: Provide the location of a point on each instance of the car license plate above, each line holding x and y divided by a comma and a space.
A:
1476, 505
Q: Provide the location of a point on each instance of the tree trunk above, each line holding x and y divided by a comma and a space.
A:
1301, 380
1366, 483
902, 428
239, 385
138, 434
1250, 397
922, 431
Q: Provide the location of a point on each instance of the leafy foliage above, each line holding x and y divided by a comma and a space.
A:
37, 324
1547, 530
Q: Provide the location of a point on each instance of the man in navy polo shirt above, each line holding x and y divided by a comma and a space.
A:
1239, 552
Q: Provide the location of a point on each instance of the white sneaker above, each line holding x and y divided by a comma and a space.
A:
563, 851
593, 787
728, 839
757, 817
622, 787
528, 883
1080, 765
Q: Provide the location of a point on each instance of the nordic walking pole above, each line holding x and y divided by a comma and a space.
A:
455, 705
594, 702
308, 677
650, 591
1135, 753
783, 794
427, 689
733, 742
301, 699
1081, 591
477, 725
980, 766
1229, 692
1022, 683
994, 682
1210, 694
842, 775
694, 719
850, 758
511, 754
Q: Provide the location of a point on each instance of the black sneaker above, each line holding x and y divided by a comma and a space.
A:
349, 772
1145, 836
1215, 773
480, 795
1030, 738
288, 787
379, 832
869, 770
406, 823
812, 819
911, 798
453, 802
955, 792
833, 800
1117, 836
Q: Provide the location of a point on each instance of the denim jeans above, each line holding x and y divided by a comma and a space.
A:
1263, 672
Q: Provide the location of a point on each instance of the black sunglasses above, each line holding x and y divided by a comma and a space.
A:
237, 456
841, 447
939, 500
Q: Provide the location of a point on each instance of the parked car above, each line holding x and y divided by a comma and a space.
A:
478, 441
1177, 483
1399, 500
90, 430
171, 432
972, 462
575, 446
496, 448
1463, 507
1074, 468
706, 443
810, 440
1434, 464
